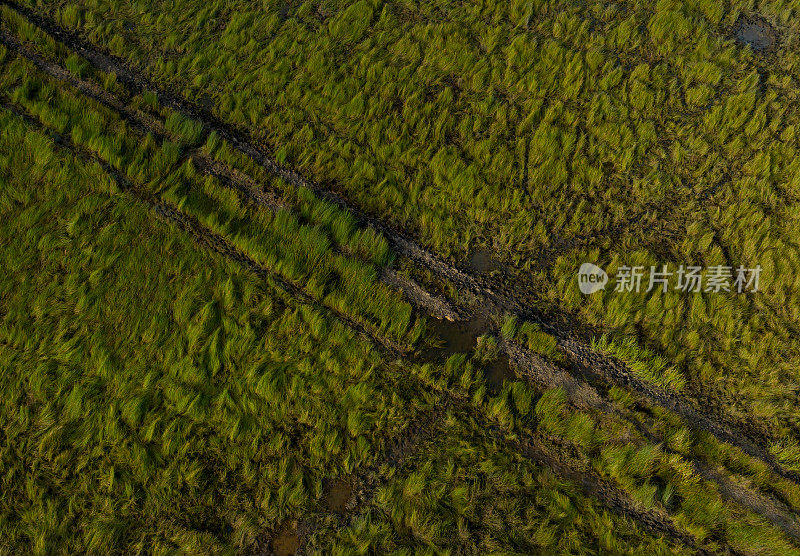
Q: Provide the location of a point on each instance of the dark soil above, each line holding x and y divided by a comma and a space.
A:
287, 541
497, 372
483, 261
756, 33
338, 493
453, 337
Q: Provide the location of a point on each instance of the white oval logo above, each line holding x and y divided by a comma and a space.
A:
591, 278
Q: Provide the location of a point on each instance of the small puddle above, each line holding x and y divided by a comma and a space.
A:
462, 337
287, 542
756, 33
497, 372
483, 261
454, 337
338, 494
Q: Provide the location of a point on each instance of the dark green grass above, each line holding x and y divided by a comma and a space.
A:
206, 329
157, 397
643, 132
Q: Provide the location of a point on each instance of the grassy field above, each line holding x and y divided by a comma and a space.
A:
551, 132
162, 398
200, 353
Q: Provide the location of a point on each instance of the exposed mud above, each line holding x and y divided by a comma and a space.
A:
453, 337
359, 490
483, 261
287, 541
433, 304
765, 506
538, 371
498, 300
756, 33
338, 493
497, 372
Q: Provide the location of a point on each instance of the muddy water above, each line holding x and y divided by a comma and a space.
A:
287, 542
454, 337
337, 495
497, 372
756, 33
462, 337
483, 261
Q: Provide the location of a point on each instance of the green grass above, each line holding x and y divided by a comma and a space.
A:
169, 402
138, 388
468, 492
523, 124
141, 385
300, 251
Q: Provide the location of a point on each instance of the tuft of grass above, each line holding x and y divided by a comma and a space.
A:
642, 362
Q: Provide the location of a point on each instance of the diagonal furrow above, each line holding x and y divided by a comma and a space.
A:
583, 395
228, 176
656, 521
147, 124
551, 452
206, 238
543, 450
493, 298
533, 369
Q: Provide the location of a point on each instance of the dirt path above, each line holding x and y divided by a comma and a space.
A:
493, 297
147, 124
582, 395
229, 177
532, 446
765, 506
533, 368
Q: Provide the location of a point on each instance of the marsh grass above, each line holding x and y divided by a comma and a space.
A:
302, 252
642, 362
528, 123
148, 381
584, 138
